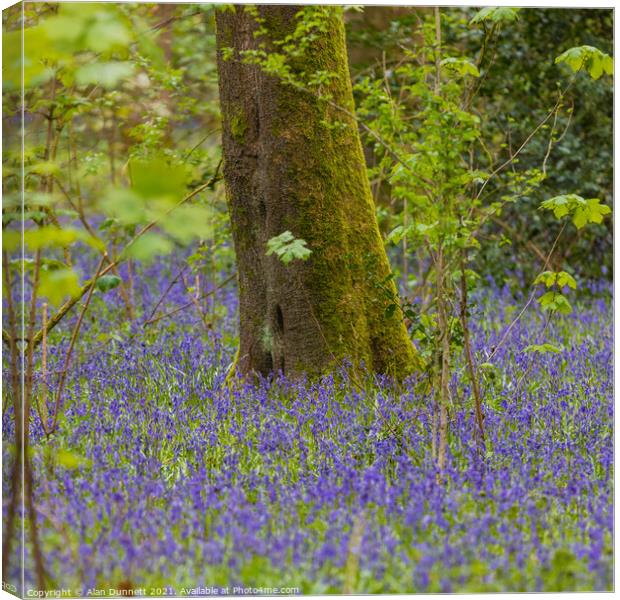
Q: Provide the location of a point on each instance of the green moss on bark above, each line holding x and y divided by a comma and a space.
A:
314, 183
238, 123
336, 216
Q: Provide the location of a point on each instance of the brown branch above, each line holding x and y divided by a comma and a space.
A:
530, 299
76, 331
527, 140
166, 292
188, 304
69, 304
471, 366
514, 233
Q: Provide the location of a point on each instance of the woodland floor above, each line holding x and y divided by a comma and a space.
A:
163, 476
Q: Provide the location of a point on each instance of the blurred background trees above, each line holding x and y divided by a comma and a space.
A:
518, 87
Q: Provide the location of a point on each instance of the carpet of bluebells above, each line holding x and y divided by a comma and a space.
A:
164, 476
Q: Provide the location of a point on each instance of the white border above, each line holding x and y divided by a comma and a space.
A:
526, 4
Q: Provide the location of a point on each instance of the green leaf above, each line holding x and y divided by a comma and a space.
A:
148, 246
561, 279
424, 228
71, 460
554, 301
563, 305
37, 52
43, 168
547, 277
588, 58
58, 284
461, 65
496, 14
11, 240
397, 234
108, 282
147, 44
288, 248
125, 206
107, 33
390, 310
590, 212
189, 222
86, 26
106, 74
582, 211
565, 279
543, 348
51, 236
157, 178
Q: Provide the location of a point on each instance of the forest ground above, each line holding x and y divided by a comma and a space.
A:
162, 475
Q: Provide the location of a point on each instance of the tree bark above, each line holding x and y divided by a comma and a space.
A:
286, 168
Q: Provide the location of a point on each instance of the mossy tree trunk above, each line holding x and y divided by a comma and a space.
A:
286, 169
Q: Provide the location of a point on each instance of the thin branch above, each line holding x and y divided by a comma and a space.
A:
69, 304
514, 233
166, 292
80, 210
471, 365
530, 299
188, 304
527, 140
76, 331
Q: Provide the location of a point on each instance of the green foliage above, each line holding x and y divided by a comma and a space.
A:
519, 87
148, 246
461, 66
189, 222
580, 210
288, 248
71, 460
155, 177
496, 15
97, 75
63, 41
58, 284
588, 58
543, 348
107, 74
452, 173
106, 283
49, 235
554, 301
561, 279
277, 56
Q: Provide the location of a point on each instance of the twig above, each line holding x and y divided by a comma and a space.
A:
525, 142
180, 308
469, 356
41, 404
163, 296
69, 304
80, 210
514, 233
529, 301
76, 331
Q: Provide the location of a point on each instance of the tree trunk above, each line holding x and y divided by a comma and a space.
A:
286, 169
